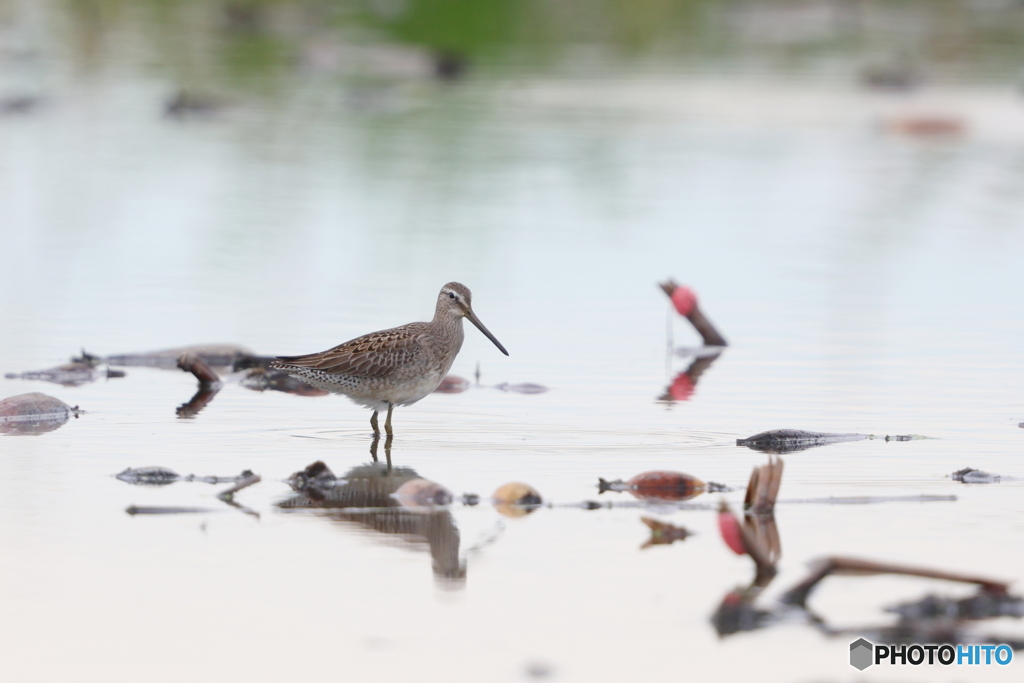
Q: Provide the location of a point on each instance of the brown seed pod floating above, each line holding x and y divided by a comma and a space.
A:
658, 485
516, 499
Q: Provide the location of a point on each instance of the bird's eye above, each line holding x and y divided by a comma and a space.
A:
451, 295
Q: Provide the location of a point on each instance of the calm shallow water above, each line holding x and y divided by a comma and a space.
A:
867, 282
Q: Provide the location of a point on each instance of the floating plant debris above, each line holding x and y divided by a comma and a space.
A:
969, 475
216, 355
160, 476
791, 440
659, 485
516, 499
73, 374
33, 413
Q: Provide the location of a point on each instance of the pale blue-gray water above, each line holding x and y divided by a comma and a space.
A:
867, 276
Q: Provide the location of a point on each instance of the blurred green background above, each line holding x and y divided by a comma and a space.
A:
249, 43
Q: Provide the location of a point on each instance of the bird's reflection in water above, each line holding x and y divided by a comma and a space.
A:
362, 499
387, 449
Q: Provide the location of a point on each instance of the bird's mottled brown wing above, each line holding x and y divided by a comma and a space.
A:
377, 354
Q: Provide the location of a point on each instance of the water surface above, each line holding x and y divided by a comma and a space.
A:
867, 281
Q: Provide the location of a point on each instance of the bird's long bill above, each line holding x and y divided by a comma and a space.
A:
487, 333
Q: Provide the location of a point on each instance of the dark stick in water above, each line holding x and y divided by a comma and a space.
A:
228, 493
848, 566
685, 301
142, 510
190, 362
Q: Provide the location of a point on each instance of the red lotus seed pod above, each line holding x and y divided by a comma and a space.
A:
684, 299
729, 527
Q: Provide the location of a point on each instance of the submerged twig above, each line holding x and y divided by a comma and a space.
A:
662, 504
190, 362
227, 493
865, 500
846, 566
164, 510
241, 508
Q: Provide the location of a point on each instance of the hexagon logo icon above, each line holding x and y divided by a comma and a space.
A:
861, 652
